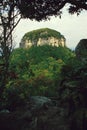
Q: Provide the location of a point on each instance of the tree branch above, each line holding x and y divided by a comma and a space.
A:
13, 28
78, 4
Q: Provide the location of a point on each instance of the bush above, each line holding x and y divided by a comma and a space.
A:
16, 94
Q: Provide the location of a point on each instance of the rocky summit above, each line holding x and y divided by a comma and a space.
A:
44, 36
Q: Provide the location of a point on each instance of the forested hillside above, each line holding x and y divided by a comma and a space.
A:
39, 68
53, 72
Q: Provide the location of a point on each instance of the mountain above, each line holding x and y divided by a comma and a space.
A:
44, 36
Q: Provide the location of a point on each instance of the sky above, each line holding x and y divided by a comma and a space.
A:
73, 27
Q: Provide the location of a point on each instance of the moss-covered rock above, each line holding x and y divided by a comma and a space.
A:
41, 37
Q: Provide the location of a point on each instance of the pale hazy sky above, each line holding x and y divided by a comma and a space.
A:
73, 27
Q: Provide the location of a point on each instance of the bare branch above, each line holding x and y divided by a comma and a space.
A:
13, 28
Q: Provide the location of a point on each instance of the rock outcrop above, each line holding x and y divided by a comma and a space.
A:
42, 37
81, 49
40, 114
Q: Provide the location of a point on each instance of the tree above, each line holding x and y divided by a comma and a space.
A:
8, 21
43, 9
73, 92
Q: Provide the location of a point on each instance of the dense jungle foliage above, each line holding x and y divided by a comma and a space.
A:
35, 71
52, 72
40, 71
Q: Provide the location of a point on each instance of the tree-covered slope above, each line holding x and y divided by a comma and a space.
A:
37, 71
39, 60
38, 54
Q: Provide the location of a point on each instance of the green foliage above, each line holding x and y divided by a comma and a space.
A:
50, 67
16, 94
19, 62
40, 67
40, 53
42, 33
73, 89
36, 60
43, 9
38, 71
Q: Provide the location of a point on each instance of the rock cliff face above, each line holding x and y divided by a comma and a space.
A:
42, 37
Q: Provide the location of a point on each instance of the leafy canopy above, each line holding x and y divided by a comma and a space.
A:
42, 9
